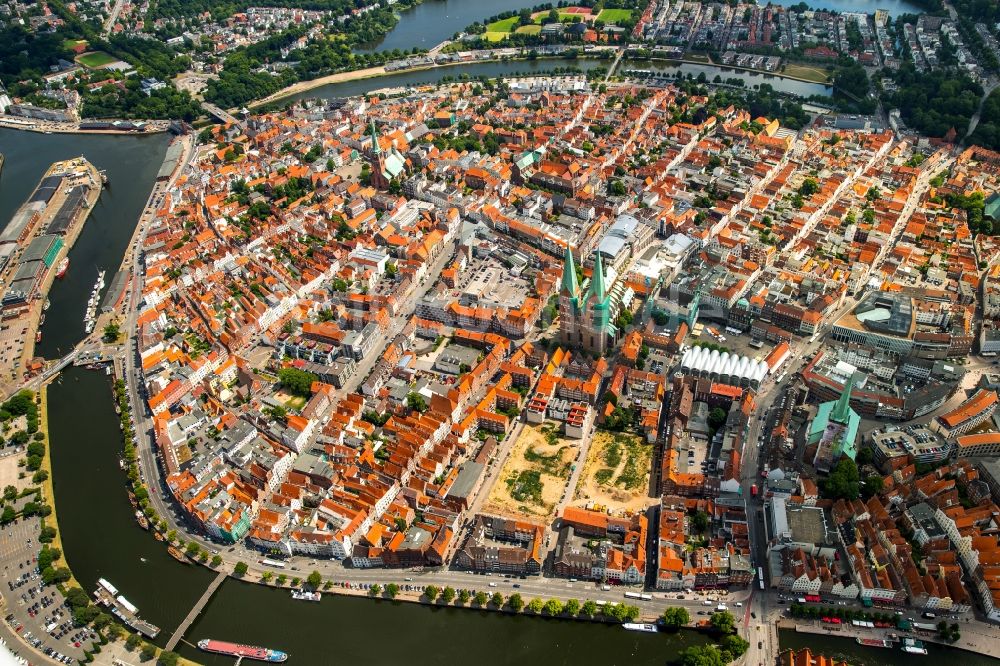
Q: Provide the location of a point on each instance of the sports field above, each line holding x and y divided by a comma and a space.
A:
614, 15
96, 59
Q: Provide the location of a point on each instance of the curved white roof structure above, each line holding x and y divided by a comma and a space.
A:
732, 367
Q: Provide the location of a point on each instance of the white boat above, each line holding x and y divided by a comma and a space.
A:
913, 646
640, 626
305, 595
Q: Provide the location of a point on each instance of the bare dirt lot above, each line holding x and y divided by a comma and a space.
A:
9, 472
616, 474
534, 477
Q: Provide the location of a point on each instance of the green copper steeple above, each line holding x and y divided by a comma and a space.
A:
842, 410
569, 283
597, 280
375, 147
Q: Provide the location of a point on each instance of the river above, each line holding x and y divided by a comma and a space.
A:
434, 21
751, 79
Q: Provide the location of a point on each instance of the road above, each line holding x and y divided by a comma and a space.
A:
116, 10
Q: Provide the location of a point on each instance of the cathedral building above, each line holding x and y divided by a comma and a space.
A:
585, 317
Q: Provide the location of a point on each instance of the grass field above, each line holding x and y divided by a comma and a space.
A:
491, 36
73, 43
96, 59
808, 72
529, 29
503, 25
614, 15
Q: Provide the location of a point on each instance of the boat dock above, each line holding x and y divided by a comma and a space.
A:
195, 611
107, 595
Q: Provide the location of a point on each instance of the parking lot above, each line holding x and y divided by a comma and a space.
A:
34, 611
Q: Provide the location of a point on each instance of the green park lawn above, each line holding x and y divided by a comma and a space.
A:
503, 25
96, 59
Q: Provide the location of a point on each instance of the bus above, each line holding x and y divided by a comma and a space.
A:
636, 595
760, 577
277, 564
812, 598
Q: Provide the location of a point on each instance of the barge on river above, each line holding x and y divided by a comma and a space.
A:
242, 651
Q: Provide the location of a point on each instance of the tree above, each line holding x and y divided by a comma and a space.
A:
298, 382
148, 651
314, 580
431, 592
843, 482
416, 402
572, 607
482, 598
676, 617
241, 569
717, 418
735, 645
873, 485
617, 188
700, 521
515, 602
266, 576
281, 580
497, 600
133, 641
723, 622
448, 594
375, 590
8, 515
553, 607
216, 561
463, 596
701, 655
168, 658
111, 332
589, 608
536, 605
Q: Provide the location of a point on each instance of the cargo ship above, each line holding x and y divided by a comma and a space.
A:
306, 595
875, 642
640, 626
241, 651
913, 646
62, 268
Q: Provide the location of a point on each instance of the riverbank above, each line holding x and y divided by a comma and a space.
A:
673, 62
51, 127
969, 642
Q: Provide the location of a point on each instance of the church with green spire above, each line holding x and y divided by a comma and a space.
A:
585, 316
385, 164
834, 430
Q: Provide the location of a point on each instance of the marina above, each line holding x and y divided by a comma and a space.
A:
90, 316
107, 595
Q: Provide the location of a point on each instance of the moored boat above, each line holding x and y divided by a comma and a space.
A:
306, 595
242, 651
177, 555
140, 517
640, 626
62, 267
913, 646
875, 642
